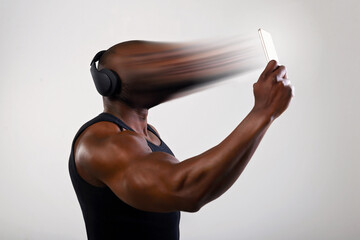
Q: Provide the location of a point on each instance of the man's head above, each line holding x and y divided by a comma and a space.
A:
122, 75
150, 73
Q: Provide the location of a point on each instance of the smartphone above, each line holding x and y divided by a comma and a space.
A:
268, 45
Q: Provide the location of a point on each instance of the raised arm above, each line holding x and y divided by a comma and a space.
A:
158, 182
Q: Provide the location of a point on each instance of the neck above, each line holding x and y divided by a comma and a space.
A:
136, 118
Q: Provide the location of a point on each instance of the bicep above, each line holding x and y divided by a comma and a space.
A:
145, 182
143, 179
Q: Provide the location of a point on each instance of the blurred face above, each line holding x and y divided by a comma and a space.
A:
154, 72
142, 67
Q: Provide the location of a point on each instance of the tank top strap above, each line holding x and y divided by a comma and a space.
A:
111, 118
153, 131
107, 117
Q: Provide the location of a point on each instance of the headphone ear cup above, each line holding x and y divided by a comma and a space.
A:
101, 80
107, 82
115, 82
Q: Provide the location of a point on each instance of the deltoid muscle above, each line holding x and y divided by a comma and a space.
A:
153, 72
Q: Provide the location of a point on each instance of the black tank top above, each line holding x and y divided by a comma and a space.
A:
108, 217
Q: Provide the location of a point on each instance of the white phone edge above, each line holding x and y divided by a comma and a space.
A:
268, 45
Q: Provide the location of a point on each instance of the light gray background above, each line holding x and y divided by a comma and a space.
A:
302, 183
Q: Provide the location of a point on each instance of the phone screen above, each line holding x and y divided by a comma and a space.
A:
268, 45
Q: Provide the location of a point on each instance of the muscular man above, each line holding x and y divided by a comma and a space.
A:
128, 182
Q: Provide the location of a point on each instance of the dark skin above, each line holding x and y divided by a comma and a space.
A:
155, 181
154, 72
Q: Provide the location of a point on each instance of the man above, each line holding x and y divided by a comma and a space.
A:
128, 182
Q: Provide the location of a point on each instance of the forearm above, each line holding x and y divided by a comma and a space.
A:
210, 174
228, 180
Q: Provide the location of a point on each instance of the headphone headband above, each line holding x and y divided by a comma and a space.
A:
97, 57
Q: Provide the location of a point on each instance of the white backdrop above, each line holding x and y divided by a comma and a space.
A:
302, 183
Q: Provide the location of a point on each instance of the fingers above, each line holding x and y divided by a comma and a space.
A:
270, 67
287, 85
279, 74
281, 77
286, 82
292, 90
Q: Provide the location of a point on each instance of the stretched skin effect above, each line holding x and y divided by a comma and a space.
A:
154, 72
155, 181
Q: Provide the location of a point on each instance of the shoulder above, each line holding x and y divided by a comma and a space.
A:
103, 147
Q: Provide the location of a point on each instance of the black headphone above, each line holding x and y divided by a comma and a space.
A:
107, 82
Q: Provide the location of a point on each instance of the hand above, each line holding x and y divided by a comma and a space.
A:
273, 91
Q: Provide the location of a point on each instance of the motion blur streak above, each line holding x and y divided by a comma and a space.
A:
154, 72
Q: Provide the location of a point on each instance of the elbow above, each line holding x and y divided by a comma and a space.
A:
188, 198
192, 208
192, 205
186, 201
